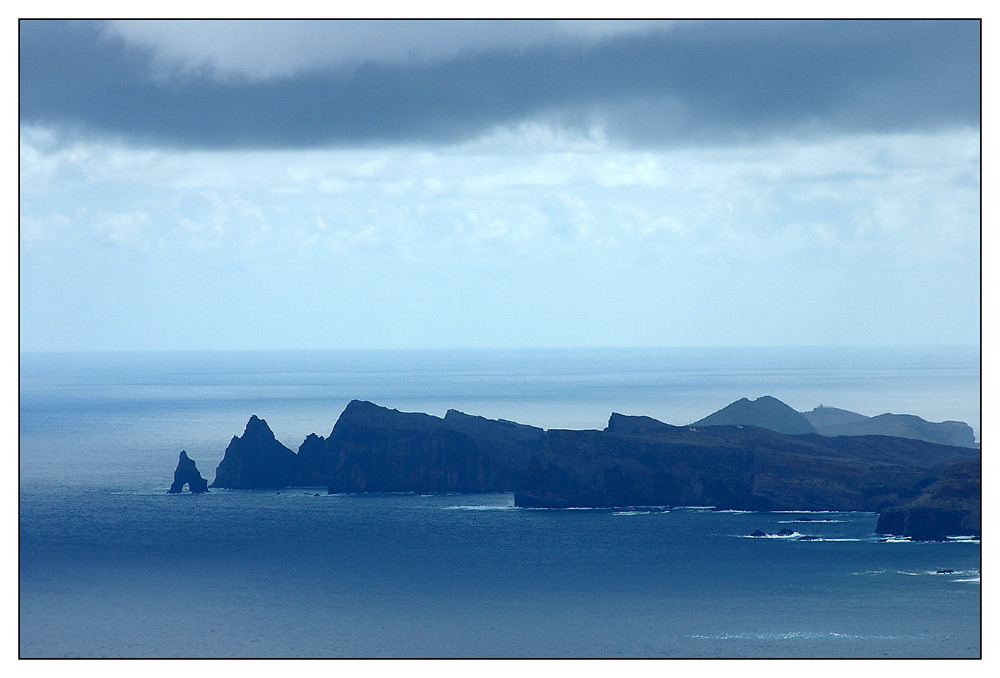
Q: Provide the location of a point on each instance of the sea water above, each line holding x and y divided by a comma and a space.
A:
112, 566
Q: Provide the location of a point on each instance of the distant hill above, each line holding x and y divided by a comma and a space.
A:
764, 412
828, 417
830, 421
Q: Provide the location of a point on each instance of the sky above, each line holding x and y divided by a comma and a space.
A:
341, 185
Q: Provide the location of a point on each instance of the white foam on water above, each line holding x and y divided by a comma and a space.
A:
630, 513
793, 535
788, 635
895, 539
484, 507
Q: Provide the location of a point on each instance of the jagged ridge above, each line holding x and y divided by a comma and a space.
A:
634, 461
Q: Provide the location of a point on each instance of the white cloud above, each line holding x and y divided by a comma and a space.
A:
721, 233
131, 229
897, 197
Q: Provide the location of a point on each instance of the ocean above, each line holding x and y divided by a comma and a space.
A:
112, 566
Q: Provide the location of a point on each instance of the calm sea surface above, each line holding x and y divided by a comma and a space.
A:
111, 566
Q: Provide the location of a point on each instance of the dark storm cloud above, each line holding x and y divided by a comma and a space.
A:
710, 81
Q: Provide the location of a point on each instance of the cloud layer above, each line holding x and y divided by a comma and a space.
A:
686, 84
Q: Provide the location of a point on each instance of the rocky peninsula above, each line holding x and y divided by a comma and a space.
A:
733, 459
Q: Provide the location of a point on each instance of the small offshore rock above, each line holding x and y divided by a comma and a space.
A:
187, 474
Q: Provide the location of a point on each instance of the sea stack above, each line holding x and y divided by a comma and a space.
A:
187, 474
256, 461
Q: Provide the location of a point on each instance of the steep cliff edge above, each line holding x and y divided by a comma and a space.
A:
376, 449
949, 505
256, 460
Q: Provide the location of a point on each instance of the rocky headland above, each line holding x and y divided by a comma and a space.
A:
831, 421
770, 413
643, 462
375, 449
948, 504
634, 461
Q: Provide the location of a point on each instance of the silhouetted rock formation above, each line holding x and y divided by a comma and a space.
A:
314, 462
641, 462
948, 505
187, 473
375, 449
830, 421
823, 417
632, 425
921, 488
256, 461
764, 412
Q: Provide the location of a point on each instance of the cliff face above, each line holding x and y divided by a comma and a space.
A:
639, 461
375, 449
187, 473
764, 412
949, 505
256, 460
